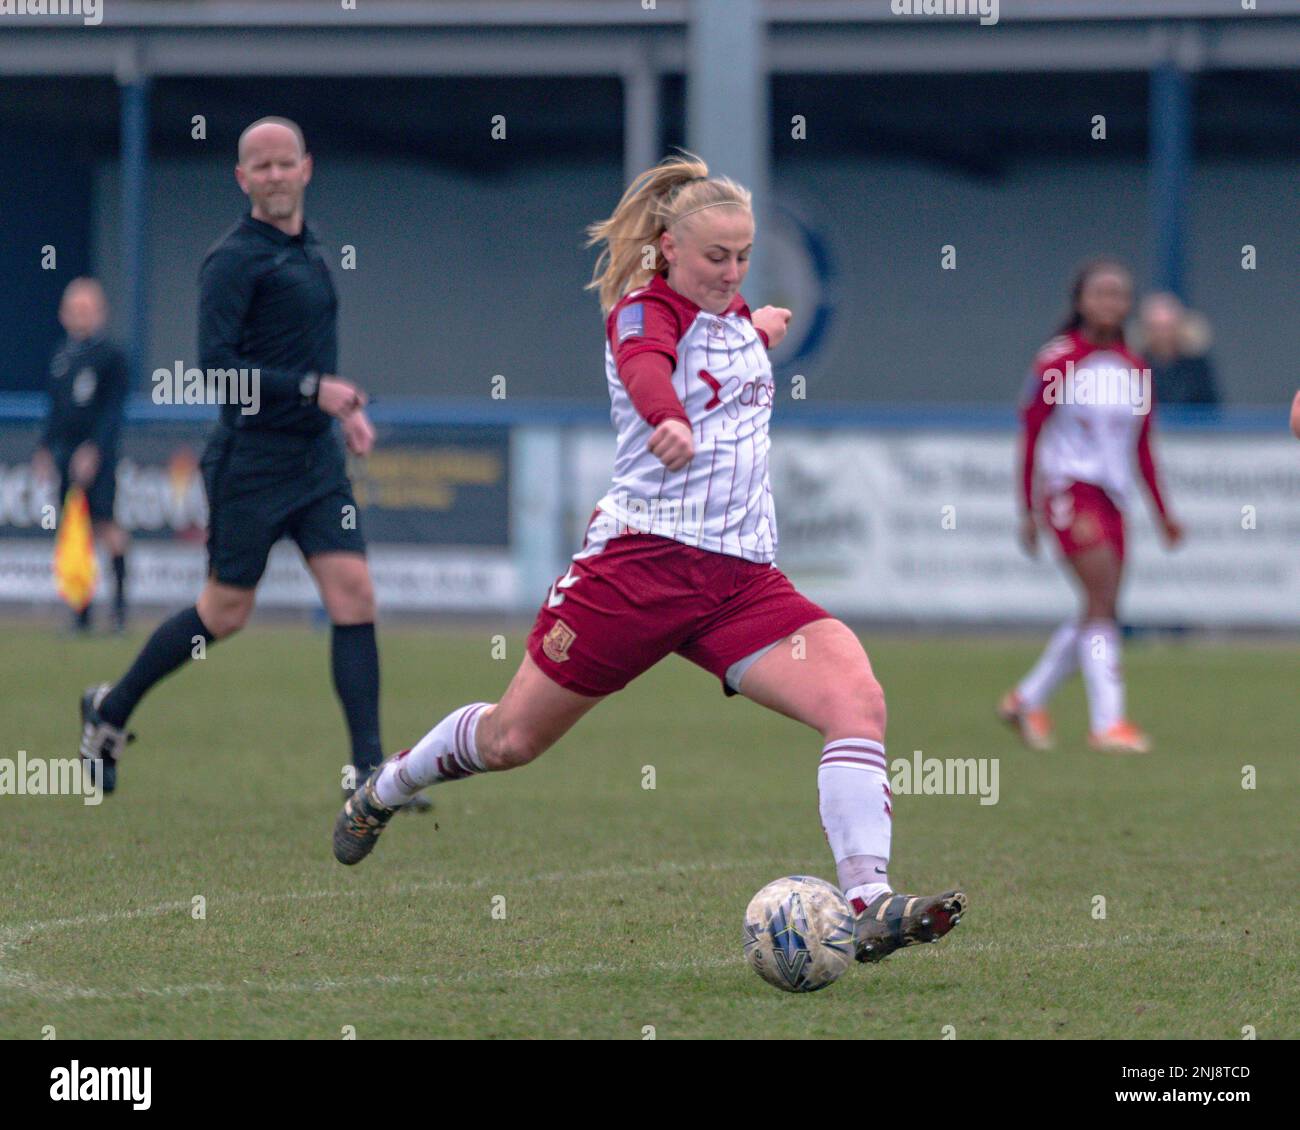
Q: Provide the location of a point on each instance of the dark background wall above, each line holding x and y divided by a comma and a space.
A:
470, 252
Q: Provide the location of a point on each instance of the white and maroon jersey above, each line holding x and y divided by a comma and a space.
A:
1087, 412
721, 501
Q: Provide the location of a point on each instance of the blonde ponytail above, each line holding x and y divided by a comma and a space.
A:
653, 203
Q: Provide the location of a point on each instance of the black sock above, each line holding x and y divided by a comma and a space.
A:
354, 659
171, 644
119, 576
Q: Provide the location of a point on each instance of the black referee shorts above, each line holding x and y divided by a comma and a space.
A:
102, 494
265, 485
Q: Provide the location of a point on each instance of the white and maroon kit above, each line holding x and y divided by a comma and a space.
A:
676, 561
1078, 461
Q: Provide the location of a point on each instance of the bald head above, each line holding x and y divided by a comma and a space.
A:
83, 312
274, 170
273, 131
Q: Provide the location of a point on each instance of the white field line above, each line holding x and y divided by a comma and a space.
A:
18, 981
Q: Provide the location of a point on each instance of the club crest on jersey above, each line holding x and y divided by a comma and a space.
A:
556, 642
631, 321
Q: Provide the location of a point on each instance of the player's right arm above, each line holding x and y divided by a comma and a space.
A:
643, 336
226, 290
1035, 407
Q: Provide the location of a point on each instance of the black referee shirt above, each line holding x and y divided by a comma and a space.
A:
88, 385
266, 302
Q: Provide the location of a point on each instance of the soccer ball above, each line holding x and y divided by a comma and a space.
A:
799, 933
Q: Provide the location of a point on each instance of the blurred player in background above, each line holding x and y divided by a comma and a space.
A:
679, 555
1086, 413
267, 304
88, 390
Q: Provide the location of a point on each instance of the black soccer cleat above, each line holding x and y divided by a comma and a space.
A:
102, 743
360, 821
892, 921
420, 803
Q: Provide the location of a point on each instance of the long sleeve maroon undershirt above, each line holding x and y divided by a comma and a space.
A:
648, 378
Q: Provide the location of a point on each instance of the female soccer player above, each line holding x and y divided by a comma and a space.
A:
1086, 411
679, 554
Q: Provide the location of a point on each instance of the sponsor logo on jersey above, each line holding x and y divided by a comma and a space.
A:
556, 642
631, 321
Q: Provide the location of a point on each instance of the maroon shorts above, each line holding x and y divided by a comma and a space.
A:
1083, 516
629, 600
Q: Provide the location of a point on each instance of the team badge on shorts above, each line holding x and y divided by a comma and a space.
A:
556, 642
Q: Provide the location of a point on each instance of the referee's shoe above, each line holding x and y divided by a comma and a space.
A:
102, 743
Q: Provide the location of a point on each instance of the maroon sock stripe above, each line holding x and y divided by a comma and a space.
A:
464, 728
855, 743
449, 769
460, 730
851, 762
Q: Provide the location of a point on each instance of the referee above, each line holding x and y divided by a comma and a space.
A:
88, 387
267, 305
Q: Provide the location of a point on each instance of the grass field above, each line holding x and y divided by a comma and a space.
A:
622, 904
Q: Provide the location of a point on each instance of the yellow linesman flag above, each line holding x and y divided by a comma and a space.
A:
75, 568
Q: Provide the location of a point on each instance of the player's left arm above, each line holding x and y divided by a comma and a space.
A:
1169, 526
771, 322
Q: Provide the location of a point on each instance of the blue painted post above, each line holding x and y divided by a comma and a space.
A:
1170, 158
134, 129
727, 104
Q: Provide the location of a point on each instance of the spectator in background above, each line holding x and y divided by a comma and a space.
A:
1175, 346
88, 388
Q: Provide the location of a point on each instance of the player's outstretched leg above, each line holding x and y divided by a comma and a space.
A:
533, 714
827, 683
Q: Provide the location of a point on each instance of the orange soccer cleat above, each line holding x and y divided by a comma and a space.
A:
1123, 737
1033, 726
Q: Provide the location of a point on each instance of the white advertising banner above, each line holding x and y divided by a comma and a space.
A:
922, 526
406, 579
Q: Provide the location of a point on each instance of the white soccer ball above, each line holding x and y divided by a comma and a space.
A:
799, 933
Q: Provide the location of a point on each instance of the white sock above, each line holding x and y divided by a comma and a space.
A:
446, 753
854, 799
1060, 660
1099, 658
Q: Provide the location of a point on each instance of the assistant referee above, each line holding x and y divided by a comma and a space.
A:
79, 443
267, 304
